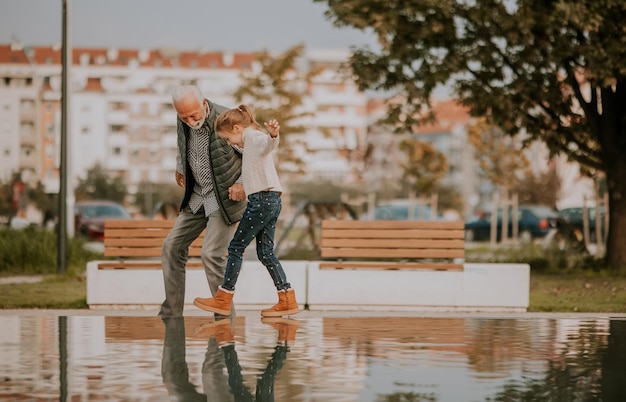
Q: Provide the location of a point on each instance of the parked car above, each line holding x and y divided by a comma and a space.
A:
535, 222
400, 212
574, 217
89, 217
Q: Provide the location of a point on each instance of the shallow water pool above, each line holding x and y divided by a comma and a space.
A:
312, 357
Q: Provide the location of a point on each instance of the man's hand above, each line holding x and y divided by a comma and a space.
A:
180, 179
272, 127
236, 192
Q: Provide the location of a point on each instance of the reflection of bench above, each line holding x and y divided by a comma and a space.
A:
121, 329
137, 244
393, 244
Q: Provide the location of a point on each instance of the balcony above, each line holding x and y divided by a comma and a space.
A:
120, 117
336, 119
168, 117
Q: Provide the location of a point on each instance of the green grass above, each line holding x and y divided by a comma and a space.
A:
598, 293
63, 292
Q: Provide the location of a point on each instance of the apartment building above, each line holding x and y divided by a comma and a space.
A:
121, 118
121, 115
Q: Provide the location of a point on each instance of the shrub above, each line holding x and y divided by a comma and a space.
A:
552, 260
34, 251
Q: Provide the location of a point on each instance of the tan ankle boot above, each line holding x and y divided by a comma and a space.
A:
286, 305
219, 304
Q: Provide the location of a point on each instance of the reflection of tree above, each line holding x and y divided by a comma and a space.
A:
407, 397
613, 383
100, 184
587, 369
497, 343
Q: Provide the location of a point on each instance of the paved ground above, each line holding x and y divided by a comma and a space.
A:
311, 314
21, 279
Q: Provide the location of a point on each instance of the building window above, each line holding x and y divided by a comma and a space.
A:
85, 131
117, 151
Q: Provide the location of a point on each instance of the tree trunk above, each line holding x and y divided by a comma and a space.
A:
616, 242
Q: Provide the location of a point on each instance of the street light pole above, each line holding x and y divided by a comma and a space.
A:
66, 61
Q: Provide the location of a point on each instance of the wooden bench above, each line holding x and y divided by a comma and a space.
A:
387, 244
131, 276
138, 243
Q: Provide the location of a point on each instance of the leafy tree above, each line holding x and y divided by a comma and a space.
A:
35, 194
424, 166
449, 198
542, 188
276, 90
150, 195
499, 159
554, 68
6, 197
99, 185
315, 191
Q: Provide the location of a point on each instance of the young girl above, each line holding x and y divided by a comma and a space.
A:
261, 184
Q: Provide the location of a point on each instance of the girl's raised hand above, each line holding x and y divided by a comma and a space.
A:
272, 127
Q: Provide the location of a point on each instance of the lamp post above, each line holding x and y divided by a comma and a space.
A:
66, 61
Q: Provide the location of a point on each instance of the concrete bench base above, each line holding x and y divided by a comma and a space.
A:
143, 287
479, 287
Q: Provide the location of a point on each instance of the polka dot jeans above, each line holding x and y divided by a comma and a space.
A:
258, 221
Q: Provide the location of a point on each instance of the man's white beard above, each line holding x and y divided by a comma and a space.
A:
197, 125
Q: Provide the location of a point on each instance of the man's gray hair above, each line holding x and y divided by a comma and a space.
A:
184, 91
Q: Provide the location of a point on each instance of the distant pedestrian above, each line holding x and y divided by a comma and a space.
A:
260, 180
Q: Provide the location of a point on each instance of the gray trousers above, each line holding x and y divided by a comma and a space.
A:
187, 228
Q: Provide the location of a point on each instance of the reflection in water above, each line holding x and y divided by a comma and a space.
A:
220, 384
84, 358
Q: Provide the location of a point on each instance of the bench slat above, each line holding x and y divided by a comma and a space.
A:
350, 224
389, 265
393, 234
393, 243
141, 264
392, 253
144, 252
138, 224
132, 233
140, 242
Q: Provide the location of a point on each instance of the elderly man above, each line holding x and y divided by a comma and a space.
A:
209, 170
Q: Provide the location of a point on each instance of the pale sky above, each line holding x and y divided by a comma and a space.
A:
228, 25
